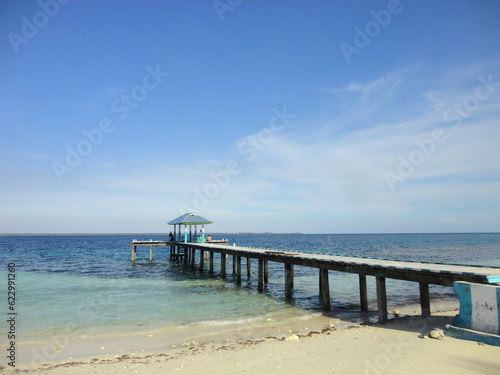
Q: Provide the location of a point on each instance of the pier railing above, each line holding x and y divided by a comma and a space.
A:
185, 238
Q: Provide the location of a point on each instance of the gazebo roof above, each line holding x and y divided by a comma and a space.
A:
189, 218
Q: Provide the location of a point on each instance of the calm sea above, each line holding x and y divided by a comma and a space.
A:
88, 284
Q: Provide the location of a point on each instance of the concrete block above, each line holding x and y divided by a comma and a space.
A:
479, 307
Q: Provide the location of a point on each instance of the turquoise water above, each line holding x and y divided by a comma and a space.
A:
88, 284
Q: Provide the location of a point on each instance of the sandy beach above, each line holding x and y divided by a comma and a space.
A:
393, 348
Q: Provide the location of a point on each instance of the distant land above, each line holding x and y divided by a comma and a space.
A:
135, 234
225, 233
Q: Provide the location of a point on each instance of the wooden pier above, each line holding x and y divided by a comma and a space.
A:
420, 272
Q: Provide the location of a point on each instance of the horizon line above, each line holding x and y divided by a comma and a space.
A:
215, 233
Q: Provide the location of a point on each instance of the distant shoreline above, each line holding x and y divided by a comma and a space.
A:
138, 234
228, 233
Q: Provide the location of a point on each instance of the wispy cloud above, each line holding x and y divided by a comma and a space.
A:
343, 173
389, 81
373, 90
316, 178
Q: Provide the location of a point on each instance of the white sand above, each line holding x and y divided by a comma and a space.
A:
393, 348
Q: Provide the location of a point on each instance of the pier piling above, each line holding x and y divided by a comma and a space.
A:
363, 293
260, 275
324, 286
134, 253
423, 273
381, 299
425, 302
238, 270
202, 259
223, 258
249, 265
288, 280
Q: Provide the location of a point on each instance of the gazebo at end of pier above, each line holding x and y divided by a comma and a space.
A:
178, 239
188, 219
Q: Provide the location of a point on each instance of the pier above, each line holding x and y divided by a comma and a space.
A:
184, 245
420, 272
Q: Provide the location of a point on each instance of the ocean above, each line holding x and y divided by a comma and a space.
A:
85, 286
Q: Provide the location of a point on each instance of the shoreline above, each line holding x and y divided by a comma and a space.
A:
123, 341
392, 348
119, 340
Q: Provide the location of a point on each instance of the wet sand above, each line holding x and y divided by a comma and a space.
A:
393, 348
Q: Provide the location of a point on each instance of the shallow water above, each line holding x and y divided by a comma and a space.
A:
87, 284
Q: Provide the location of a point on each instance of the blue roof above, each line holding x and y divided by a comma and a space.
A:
189, 218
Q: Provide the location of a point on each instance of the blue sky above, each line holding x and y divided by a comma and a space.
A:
280, 116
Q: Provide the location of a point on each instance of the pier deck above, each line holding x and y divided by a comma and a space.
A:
421, 272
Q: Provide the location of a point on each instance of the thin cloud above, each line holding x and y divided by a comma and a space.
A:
367, 90
344, 173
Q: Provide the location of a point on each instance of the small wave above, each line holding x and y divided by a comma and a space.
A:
272, 317
230, 321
